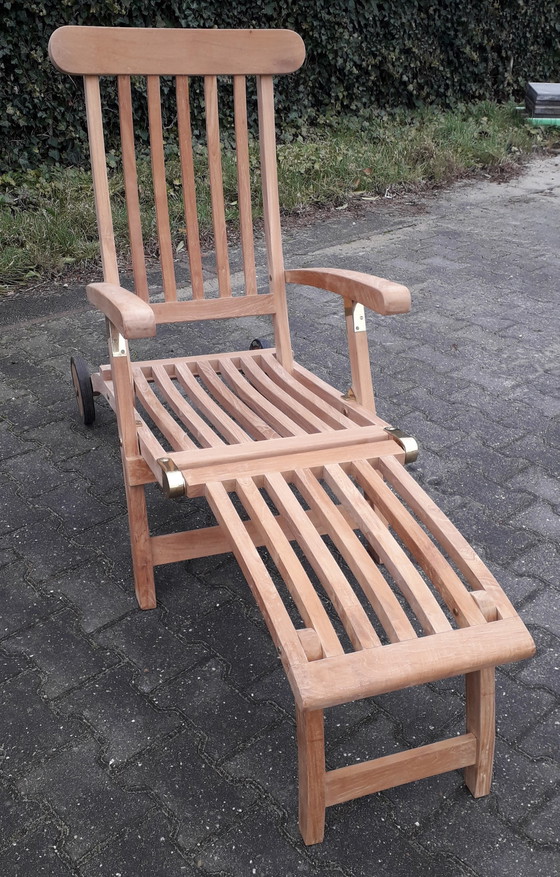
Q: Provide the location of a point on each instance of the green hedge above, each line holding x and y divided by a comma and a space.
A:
360, 55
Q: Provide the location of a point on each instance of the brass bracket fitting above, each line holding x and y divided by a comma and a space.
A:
407, 443
172, 482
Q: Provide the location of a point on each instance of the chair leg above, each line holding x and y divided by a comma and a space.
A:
481, 721
140, 547
311, 760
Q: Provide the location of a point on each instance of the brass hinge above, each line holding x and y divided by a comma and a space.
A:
407, 443
172, 482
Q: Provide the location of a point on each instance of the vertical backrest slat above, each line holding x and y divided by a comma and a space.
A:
271, 210
189, 185
244, 184
216, 183
160, 189
131, 188
100, 181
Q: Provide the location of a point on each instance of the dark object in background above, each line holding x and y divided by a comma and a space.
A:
542, 100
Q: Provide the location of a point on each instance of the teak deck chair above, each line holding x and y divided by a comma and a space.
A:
365, 586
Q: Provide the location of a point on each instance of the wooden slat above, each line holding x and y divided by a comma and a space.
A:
461, 553
170, 51
320, 388
407, 577
283, 555
216, 184
192, 420
240, 412
358, 351
277, 419
131, 188
420, 545
268, 599
244, 184
370, 437
189, 185
311, 774
281, 399
335, 523
228, 471
357, 780
327, 412
271, 213
100, 181
160, 189
159, 414
351, 612
214, 309
212, 412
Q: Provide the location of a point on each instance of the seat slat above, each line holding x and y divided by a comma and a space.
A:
268, 599
216, 184
336, 585
250, 421
189, 185
277, 419
297, 581
459, 550
244, 184
356, 413
131, 188
184, 410
386, 606
174, 434
420, 545
411, 583
212, 412
306, 397
160, 189
280, 398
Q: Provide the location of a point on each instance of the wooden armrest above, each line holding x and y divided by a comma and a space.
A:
131, 316
382, 296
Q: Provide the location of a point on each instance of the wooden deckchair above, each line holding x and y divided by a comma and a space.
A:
286, 462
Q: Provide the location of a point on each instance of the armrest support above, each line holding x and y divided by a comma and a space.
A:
131, 316
382, 296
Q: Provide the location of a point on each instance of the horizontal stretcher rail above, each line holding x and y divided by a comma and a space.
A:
356, 780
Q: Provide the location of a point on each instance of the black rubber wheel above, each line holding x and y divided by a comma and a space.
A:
84, 391
260, 344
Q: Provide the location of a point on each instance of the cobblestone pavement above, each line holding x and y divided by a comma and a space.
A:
162, 743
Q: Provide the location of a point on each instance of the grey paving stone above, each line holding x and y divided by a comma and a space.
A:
84, 797
36, 853
12, 665
16, 511
225, 718
125, 720
543, 669
20, 603
540, 518
148, 847
493, 539
544, 610
518, 706
29, 729
479, 841
541, 561
544, 827
271, 763
255, 847
75, 507
64, 656
201, 800
532, 783
46, 550
542, 740
17, 814
33, 473
156, 653
96, 593
246, 648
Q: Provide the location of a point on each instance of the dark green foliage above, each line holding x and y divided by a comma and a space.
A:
360, 54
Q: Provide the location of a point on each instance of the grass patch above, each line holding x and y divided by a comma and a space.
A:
47, 216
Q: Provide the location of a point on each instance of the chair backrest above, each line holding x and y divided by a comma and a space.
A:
154, 52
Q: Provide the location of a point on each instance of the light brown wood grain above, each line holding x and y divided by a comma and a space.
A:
131, 316
244, 184
376, 293
174, 51
311, 771
166, 254
131, 188
216, 184
189, 185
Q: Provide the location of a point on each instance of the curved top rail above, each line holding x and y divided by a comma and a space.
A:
171, 51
